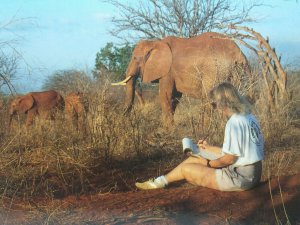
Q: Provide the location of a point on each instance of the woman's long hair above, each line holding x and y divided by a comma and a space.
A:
226, 95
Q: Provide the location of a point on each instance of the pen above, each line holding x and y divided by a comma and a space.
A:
205, 137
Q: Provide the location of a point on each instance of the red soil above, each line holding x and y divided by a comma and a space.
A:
178, 204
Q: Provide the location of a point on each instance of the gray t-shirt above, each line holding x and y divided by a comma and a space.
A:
244, 139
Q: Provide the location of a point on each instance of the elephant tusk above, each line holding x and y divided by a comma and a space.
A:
123, 82
118, 83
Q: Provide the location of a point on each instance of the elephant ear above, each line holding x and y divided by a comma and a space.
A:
158, 62
26, 103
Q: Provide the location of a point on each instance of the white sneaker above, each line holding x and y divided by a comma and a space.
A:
150, 184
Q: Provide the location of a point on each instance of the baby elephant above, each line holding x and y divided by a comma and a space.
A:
76, 108
36, 103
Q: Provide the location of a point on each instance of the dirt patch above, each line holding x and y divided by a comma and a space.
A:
178, 204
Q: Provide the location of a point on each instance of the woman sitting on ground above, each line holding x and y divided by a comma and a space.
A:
239, 165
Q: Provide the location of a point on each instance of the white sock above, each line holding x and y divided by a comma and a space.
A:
162, 179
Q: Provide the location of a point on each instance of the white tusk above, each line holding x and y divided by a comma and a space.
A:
118, 83
123, 82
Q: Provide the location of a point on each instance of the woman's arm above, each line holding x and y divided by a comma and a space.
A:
223, 161
210, 148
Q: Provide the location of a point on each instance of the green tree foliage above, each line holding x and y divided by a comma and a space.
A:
66, 81
112, 61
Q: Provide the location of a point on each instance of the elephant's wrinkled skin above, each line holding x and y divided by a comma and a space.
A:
36, 103
76, 108
182, 66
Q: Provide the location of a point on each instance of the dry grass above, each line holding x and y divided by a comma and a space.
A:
52, 159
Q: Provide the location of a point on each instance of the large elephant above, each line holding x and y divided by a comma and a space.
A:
76, 108
36, 103
182, 66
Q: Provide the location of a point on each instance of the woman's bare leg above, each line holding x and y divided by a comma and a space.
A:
195, 171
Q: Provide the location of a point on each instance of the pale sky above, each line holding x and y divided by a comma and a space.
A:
66, 34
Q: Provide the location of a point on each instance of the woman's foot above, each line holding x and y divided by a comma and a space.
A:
157, 183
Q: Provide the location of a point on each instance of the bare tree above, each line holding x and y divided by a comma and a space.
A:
8, 68
273, 73
152, 19
9, 54
8, 60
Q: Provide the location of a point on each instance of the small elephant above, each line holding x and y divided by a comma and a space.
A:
188, 66
36, 103
76, 109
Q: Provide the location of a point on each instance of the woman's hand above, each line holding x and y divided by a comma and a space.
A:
203, 144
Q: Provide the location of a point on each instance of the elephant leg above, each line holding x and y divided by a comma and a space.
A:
30, 117
74, 119
71, 115
52, 114
176, 98
48, 114
139, 96
80, 112
166, 95
82, 126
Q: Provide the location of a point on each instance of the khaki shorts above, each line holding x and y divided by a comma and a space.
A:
239, 178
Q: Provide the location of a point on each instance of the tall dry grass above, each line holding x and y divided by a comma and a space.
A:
52, 159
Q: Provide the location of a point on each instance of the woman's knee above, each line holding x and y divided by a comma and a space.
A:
199, 175
187, 170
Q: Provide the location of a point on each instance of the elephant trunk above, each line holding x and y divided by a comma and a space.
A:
130, 94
